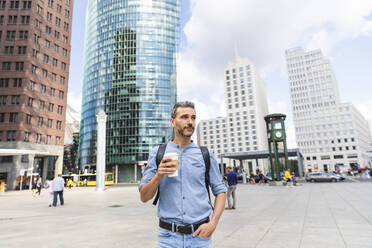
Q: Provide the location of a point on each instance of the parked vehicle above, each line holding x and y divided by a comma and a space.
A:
340, 177
322, 177
266, 178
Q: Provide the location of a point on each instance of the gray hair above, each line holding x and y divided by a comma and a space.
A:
185, 104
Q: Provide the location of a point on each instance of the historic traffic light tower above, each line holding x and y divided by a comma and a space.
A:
276, 135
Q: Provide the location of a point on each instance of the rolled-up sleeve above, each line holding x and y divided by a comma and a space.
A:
217, 184
151, 168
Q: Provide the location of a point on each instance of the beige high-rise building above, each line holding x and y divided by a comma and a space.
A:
34, 58
244, 128
330, 134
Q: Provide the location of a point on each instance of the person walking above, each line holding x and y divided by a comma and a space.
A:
38, 186
33, 186
58, 184
49, 187
232, 180
184, 208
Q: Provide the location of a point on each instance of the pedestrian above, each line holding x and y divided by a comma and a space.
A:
33, 186
49, 187
58, 183
251, 179
232, 180
287, 177
184, 208
69, 183
38, 186
261, 178
294, 179
85, 182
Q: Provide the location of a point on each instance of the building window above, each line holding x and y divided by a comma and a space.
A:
30, 101
3, 100
41, 105
42, 88
28, 119
38, 138
13, 117
33, 69
8, 50
25, 20
4, 82
32, 85
27, 4
2, 117
58, 140
39, 121
11, 136
15, 100
26, 137
51, 107
12, 19
59, 110
6, 66
19, 66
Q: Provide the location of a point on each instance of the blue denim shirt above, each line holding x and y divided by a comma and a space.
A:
184, 199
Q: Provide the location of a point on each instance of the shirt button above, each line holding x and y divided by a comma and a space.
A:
184, 213
183, 198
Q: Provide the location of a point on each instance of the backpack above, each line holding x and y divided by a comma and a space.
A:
207, 162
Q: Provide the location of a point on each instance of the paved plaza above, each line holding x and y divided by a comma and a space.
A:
310, 215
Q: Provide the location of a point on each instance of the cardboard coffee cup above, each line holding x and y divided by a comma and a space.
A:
174, 157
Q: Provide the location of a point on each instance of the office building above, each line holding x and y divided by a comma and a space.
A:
130, 73
244, 128
330, 134
34, 57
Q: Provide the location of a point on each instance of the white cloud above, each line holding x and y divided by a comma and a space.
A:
262, 32
74, 100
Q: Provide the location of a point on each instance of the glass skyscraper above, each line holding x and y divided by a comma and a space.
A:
130, 73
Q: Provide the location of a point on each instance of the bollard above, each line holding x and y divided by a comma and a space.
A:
244, 178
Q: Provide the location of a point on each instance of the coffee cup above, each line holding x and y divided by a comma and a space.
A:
174, 157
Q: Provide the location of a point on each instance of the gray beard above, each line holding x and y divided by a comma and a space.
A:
181, 132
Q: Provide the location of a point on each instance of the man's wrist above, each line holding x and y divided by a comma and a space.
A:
213, 222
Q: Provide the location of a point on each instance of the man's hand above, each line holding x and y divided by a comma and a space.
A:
205, 231
167, 166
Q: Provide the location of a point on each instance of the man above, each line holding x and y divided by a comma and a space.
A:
184, 207
232, 180
58, 184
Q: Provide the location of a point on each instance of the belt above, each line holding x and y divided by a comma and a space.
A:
181, 228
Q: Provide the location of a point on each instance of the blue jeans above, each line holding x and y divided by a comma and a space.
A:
169, 239
60, 193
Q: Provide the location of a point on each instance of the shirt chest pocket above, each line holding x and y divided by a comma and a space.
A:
196, 169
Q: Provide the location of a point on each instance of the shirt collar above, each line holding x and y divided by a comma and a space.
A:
174, 145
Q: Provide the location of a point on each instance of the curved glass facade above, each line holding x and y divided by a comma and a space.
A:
130, 73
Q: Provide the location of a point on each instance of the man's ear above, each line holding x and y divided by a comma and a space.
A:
171, 120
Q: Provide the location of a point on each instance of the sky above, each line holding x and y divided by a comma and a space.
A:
261, 31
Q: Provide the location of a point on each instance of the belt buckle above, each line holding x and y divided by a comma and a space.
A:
177, 228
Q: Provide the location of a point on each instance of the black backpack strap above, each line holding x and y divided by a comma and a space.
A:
159, 157
207, 162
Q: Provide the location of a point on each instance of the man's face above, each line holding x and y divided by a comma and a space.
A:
184, 122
